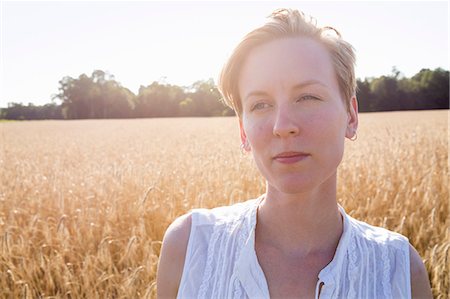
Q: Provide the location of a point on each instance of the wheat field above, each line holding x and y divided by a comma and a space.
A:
84, 204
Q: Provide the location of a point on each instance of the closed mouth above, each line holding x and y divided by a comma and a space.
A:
290, 157
290, 154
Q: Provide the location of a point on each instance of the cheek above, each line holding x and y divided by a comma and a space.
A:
330, 126
256, 130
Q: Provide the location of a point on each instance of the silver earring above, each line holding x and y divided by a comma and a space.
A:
354, 137
244, 147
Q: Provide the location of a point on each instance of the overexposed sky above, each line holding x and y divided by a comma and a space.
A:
185, 41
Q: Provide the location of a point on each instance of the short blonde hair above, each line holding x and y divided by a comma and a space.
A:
285, 23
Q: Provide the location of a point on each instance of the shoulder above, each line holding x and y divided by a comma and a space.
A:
224, 214
180, 227
172, 256
400, 247
200, 223
379, 235
420, 284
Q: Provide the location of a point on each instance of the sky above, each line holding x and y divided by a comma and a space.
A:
180, 42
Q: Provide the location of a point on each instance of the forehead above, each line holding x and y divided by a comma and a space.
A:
285, 63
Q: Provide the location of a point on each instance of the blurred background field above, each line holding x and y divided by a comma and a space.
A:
84, 204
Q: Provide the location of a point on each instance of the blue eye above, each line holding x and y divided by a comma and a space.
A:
307, 97
259, 106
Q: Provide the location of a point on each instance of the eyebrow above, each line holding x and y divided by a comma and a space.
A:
307, 83
295, 87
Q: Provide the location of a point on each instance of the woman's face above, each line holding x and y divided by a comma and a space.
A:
294, 119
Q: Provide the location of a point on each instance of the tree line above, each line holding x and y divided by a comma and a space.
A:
428, 89
101, 96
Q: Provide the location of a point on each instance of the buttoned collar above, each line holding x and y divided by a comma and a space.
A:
252, 276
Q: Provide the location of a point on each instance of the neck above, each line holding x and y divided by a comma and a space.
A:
304, 224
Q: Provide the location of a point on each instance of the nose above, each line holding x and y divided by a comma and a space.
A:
285, 123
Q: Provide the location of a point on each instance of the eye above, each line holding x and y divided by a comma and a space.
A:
259, 106
307, 97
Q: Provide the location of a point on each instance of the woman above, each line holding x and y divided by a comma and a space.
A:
292, 85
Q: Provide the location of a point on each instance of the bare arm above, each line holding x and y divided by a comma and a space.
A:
420, 283
171, 259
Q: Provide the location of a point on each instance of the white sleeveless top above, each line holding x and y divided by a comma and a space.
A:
221, 262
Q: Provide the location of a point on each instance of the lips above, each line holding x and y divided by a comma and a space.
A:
290, 157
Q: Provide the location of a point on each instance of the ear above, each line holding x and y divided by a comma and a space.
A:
352, 121
244, 140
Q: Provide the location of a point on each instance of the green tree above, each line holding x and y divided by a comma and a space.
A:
206, 99
97, 96
386, 94
364, 96
159, 100
432, 88
22, 112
